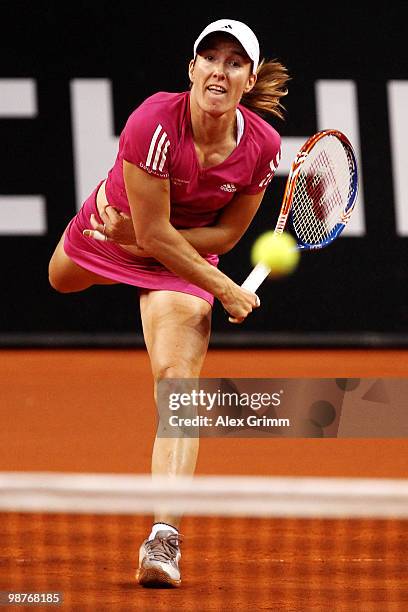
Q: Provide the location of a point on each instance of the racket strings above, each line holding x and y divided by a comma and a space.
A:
331, 198
322, 192
320, 188
308, 229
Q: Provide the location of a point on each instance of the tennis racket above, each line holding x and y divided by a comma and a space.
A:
319, 197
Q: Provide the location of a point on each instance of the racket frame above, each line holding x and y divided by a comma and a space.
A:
291, 183
261, 270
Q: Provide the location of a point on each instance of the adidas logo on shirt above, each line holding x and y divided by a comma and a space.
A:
228, 187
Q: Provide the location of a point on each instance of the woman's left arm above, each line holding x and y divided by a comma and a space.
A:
231, 225
220, 238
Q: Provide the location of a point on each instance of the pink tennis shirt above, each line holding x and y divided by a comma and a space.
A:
158, 138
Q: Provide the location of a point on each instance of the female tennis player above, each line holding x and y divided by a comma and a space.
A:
189, 176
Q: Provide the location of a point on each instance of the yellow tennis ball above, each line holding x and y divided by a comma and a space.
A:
277, 251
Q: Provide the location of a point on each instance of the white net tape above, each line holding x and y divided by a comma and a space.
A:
204, 495
322, 191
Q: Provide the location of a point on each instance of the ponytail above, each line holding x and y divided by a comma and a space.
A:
270, 87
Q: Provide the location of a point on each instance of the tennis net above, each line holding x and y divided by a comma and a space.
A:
248, 543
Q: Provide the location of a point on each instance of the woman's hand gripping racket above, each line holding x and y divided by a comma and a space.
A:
319, 196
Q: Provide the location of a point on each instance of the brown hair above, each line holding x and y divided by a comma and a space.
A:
270, 87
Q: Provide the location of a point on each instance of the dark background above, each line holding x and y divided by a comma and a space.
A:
354, 292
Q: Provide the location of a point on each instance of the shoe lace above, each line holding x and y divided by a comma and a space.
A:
163, 548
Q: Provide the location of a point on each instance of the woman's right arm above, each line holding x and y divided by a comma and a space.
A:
149, 201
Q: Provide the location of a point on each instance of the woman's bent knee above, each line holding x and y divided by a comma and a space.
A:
63, 276
179, 370
60, 283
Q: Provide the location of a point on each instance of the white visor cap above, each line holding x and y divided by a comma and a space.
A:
238, 30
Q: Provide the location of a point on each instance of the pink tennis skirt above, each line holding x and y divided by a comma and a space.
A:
112, 261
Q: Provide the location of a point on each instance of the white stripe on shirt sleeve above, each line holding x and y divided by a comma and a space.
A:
164, 155
158, 150
153, 144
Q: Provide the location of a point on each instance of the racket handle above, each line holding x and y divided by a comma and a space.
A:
256, 277
252, 282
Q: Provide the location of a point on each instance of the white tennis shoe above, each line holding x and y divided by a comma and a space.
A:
159, 559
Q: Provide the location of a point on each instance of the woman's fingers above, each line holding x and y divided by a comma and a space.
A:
96, 225
244, 303
118, 226
95, 234
109, 215
98, 232
232, 320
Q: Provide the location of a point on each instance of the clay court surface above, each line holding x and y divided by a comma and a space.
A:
92, 411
